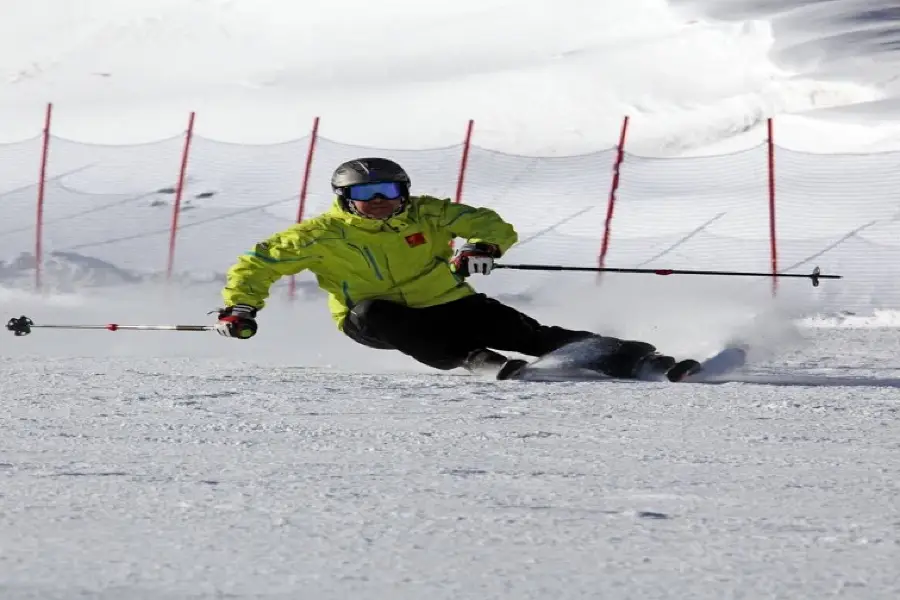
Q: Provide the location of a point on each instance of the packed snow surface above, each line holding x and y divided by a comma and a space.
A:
180, 475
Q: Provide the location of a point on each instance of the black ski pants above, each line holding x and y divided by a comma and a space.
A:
442, 336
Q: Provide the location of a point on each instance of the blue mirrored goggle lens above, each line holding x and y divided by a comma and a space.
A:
368, 191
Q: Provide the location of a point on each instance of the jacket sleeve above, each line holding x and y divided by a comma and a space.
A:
286, 253
478, 225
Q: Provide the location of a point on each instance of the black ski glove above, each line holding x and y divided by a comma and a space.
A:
238, 321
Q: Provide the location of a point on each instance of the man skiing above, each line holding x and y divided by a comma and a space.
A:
385, 259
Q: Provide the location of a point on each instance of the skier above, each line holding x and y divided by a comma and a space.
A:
384, 257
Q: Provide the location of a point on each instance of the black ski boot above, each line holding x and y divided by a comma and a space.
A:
653, 366
683, 369
484, 361
511, 368
481, 360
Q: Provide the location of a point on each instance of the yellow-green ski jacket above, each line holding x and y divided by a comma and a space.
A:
402, 259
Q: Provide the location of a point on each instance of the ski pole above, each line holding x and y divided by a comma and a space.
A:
815, 276
23, 326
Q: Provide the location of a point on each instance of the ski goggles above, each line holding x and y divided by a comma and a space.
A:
364, 192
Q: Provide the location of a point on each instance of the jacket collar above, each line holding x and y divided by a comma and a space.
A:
395, 223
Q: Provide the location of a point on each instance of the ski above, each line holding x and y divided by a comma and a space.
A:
709, 370
722, 363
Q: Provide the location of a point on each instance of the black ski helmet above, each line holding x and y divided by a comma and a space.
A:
368, 170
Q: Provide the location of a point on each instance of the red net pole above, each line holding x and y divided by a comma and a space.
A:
179, 192
313, 137
773, 239
42, 185
464, 162
614, 187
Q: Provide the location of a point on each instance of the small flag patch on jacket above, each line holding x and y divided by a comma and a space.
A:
415, 239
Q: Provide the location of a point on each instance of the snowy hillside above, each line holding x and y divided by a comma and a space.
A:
539, 77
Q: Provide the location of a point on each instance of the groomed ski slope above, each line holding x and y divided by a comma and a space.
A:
300, 465
183, 476
145, 466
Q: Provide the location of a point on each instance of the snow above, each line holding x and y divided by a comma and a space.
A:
537, 76
185, 476
302, 465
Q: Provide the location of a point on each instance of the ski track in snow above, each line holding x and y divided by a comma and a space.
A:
195, 477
